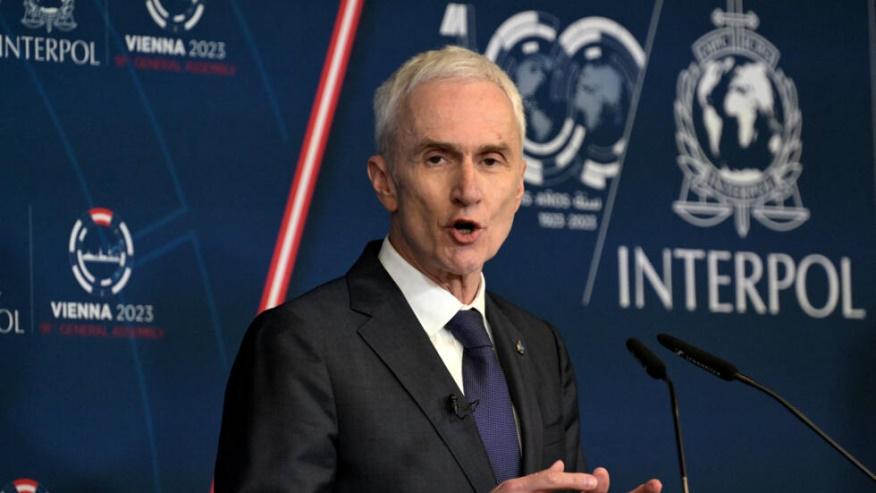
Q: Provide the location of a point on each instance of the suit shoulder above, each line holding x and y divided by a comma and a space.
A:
325, 308
329, 296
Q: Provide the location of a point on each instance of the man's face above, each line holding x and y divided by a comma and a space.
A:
456, 179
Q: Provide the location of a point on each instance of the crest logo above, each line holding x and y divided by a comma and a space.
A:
101, 252
184, 16
738, 130
577, 86
56, 14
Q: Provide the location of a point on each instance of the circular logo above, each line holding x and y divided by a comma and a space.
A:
175, 15
23, 485
101, 252
577, 87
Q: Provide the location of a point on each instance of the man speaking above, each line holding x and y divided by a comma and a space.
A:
406, 374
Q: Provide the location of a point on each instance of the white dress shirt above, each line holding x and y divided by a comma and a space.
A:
433, 306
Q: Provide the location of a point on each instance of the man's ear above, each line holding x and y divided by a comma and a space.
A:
383, 182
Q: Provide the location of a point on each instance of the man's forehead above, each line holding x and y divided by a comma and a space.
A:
437, 108
452, 84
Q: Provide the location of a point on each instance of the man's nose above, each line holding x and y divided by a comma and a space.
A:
467, 189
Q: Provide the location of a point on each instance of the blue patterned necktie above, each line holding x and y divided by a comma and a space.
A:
485, 383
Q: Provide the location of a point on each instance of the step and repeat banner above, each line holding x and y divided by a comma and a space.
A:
699, 168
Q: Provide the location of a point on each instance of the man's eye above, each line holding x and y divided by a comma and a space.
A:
435, 159
491, 162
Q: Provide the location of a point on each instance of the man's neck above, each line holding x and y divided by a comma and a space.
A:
462, 287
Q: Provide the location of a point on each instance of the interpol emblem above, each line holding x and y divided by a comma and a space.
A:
57, 14
738, 130
577, 86
177, 16
23, 485
101, 252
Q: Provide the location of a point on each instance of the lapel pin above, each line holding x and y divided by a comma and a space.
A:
520, 347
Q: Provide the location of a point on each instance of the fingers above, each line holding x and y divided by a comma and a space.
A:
554, 478
602, 477
652, 486
551, 479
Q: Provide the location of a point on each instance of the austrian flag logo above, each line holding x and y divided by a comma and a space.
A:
101, 252
184, 18
24, 485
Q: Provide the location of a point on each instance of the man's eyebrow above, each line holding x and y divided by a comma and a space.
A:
436, 144
501, 148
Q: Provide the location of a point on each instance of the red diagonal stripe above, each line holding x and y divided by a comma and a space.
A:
310, 158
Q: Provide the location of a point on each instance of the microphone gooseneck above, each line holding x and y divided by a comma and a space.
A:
656, 369
727, 371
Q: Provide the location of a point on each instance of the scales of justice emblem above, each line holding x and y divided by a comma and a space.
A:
738, 130
48, 13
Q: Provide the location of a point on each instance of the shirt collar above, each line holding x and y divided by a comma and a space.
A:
433, 305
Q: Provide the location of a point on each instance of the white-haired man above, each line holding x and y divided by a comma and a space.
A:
406, 375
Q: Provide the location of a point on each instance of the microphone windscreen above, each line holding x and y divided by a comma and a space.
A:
704, 360
653, 365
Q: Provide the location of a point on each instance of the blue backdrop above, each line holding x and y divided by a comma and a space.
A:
699, 168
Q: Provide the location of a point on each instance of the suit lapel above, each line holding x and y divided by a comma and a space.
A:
396, 336
518, 372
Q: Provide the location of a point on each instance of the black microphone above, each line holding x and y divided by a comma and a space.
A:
653, 365
460, 407
656, 369
727, 371
709, 362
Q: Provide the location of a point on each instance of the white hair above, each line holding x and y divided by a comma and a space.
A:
450, 62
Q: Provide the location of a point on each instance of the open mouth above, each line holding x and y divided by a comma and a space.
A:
465, 227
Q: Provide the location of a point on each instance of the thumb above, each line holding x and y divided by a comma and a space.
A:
557, 466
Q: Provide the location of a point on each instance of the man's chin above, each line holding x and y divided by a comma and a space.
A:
464, 264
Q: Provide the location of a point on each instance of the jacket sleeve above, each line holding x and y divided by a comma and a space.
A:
574, 456
279, 424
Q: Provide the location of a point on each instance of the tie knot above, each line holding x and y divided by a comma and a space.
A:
467, 326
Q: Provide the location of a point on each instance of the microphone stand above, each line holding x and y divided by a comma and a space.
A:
657, 370
727, 371
678, 442
802, 417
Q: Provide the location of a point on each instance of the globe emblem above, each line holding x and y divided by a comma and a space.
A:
576, 87
532, 75
741, 117
738, 130
599, 94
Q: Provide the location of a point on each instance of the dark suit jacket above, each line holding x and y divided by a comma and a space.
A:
341, 390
